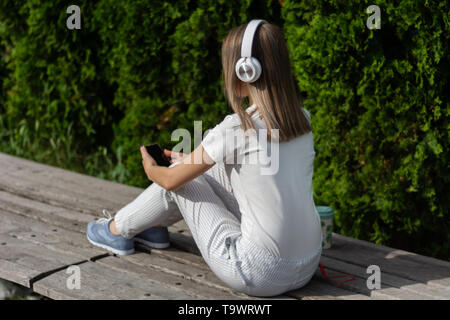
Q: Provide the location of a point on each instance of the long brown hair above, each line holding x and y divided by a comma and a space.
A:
274, 93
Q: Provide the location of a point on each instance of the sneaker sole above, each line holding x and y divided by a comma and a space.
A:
111, 249
155, 245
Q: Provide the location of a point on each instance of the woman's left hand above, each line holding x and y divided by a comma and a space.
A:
147, 161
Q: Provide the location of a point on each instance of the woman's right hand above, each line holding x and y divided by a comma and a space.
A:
174, 156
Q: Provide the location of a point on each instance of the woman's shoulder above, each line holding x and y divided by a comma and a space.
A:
231, 121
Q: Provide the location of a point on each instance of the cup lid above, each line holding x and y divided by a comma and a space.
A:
325, 212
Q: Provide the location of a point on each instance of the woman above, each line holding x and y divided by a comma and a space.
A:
254, 222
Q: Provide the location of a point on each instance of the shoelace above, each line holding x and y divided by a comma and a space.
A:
352, 277
107, 217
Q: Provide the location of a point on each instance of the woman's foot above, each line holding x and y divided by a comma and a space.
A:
99, 234
154, 237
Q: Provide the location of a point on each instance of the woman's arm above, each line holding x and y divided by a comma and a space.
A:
175, 177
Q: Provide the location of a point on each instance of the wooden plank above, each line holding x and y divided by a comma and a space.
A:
77, 221
319, 290
50, 214
74, 243
184, 257
386, 292
68, 244
63, 188
49, 175
390, 252
30, 248
359, 288
71, 181
55, 249
151, 266
391, 261
100, 282
50, 194
199, 273
315, 290
416, 289
164, 263
23, 180
22, 261
183, 242
71, 221
46, 236
62, 193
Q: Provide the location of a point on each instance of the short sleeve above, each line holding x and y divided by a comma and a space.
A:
222, 141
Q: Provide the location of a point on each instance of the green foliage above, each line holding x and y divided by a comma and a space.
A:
135, 71
138, 69
164, 58
55, 94
380, 106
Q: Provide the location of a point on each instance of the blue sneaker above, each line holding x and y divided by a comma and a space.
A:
99, 235
154, 237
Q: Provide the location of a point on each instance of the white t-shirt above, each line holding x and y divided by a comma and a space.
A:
274, 192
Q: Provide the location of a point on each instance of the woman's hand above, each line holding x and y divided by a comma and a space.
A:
174, 156
147, 161
176, 176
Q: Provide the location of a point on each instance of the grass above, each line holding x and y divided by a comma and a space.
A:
60, 151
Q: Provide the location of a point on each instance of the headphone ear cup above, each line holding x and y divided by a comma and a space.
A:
256, 67
239, 65
248, 69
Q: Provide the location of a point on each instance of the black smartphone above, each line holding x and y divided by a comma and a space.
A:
156, 152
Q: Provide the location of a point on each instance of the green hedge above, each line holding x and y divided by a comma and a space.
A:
380, 106
86, 99
165, 59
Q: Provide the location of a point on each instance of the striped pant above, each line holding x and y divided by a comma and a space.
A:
211, 212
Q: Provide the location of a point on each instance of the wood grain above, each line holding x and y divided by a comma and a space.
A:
44, 212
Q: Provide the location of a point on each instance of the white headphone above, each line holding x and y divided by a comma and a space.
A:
248, 68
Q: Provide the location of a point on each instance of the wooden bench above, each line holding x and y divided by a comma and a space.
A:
43, 216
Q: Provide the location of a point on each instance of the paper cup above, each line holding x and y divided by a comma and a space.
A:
326, 220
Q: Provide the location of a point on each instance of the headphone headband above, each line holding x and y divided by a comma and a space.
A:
248, 68
247, 40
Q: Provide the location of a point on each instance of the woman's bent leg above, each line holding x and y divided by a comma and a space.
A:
215, 229
150, 208
217, 177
